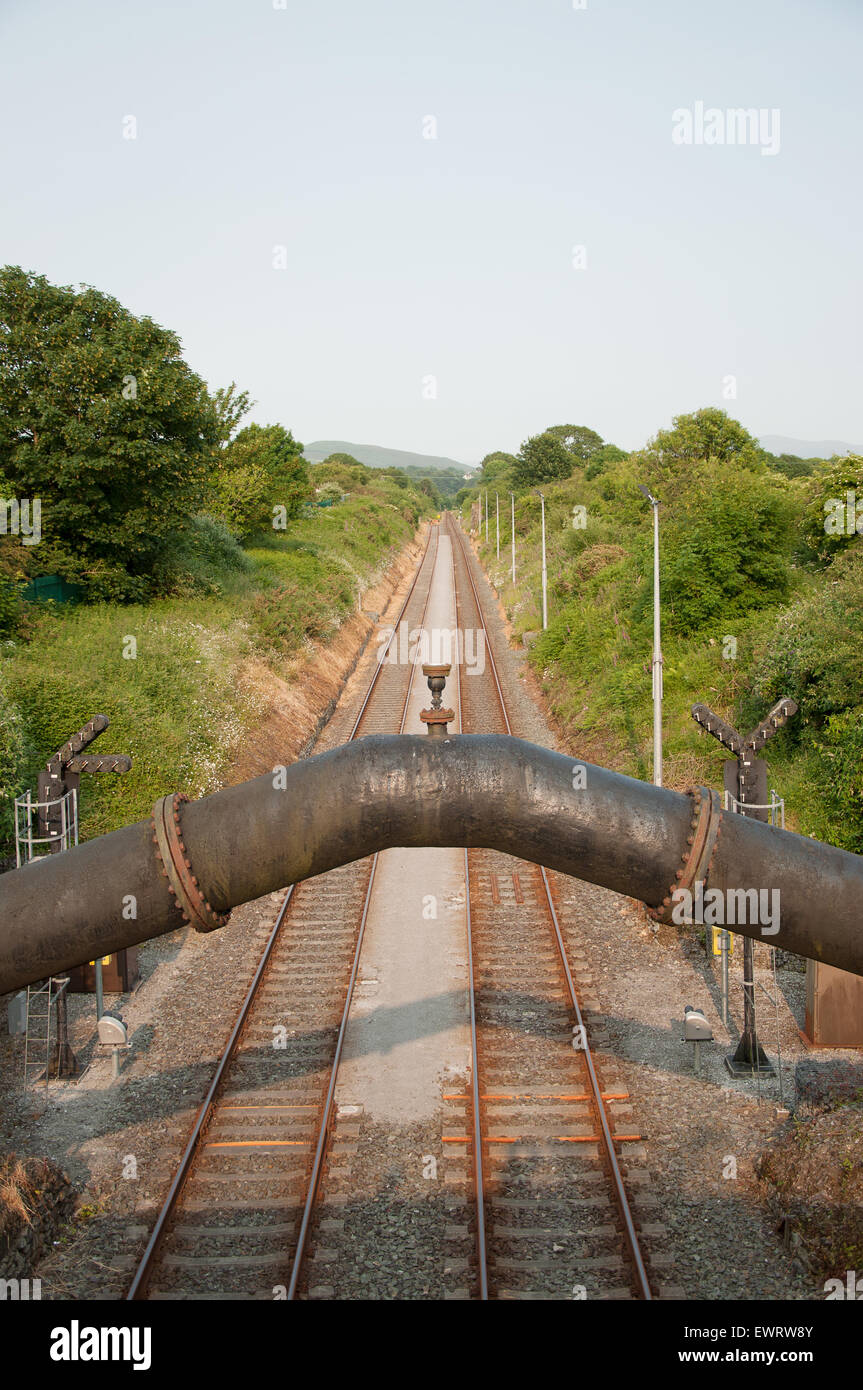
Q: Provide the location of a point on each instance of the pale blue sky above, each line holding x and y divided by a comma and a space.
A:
408, 257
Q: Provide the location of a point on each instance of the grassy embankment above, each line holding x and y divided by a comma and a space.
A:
181, 707
593, 662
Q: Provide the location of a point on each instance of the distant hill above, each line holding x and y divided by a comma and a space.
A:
806, 448
375, 456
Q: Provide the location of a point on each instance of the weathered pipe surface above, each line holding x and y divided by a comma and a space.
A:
490, 791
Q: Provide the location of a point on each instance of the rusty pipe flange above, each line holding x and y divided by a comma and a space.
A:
697, 860
177, 868
437, 716
437, 720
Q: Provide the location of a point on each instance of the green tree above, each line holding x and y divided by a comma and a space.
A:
581, 442
231, 405
106, 424
706, 436
495, 464
398, 475
427, 486
262, 468
541, 459
793, 466
347, 459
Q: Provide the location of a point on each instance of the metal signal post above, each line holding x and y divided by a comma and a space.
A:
746, 783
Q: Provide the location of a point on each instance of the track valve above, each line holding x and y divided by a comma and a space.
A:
436, 718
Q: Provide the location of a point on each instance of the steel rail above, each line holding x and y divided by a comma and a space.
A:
595, 1089
478, 1161
599, 1107
325, 1126
138, 1288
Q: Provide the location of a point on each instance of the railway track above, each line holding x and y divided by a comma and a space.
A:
236, 1217
552, 1215
547, 1214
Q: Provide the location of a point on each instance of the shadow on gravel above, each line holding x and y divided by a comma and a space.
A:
171, 1091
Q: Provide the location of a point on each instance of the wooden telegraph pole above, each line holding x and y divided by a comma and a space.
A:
746, 782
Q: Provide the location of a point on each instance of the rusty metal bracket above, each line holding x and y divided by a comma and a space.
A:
177, 868
698, 858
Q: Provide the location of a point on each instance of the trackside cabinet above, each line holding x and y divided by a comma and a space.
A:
834, 1006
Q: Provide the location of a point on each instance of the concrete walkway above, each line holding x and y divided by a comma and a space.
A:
410, 1005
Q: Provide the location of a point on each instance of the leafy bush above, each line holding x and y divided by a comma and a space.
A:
840, 748
351, 473
240, 497
398, 476
201, 559
725, 553
815, 651
343, 470
260, 469
602, 458
815, 655
13, 758
829, 524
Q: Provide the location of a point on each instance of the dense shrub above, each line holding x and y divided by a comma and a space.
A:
201, 559
830, 526
814, 654
260, 469
13, 758
725, 552
305, 600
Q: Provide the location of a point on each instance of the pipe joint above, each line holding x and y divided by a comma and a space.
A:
176, 866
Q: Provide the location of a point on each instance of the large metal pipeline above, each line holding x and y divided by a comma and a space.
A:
378, 792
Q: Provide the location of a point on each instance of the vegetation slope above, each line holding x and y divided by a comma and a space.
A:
761, 580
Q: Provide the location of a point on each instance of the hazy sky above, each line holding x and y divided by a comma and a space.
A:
407, 258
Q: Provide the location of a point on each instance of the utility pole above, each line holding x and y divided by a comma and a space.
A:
544, 569
497, 520
512, 532
656, 663
746, 782
486, 516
